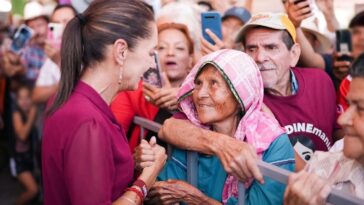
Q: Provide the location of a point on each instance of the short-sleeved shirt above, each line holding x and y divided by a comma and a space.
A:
85, 154
309, 116
212, 176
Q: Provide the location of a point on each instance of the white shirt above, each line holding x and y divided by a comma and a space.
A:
49, 74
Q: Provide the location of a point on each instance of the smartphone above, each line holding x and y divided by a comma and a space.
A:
20, 39
343, 44
153, 76
212, 21
299, 1
205, 5
55, 31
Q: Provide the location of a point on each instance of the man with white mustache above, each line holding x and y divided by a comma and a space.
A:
303, 100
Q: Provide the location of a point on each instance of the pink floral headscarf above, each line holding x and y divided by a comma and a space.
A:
244, 79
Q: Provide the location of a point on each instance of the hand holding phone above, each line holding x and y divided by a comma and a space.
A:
298, 10
55, 31
21, 38
212, 21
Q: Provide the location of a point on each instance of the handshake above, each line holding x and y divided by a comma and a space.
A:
149, 156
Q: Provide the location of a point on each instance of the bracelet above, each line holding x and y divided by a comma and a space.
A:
131, 201
142, 186
137, 192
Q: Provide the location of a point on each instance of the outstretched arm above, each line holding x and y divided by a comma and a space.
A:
237, 157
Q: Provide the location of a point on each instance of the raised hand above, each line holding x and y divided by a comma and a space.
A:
207, 47
298, 12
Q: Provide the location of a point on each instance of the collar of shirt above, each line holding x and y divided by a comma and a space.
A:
294, 83
87, 91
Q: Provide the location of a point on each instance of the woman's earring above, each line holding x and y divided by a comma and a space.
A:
120, 75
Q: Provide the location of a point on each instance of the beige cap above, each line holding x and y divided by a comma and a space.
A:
278, 21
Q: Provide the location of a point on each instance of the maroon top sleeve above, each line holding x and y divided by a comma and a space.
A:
88, 165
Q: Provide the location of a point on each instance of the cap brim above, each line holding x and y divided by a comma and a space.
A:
241, 34
35, 17
324, 41
234, 16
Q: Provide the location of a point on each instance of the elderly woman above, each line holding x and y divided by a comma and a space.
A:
224, 93
175, 49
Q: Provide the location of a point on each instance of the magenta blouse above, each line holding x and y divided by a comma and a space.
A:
85, 154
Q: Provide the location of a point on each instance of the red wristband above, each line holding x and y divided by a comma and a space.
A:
137, 192
141, 184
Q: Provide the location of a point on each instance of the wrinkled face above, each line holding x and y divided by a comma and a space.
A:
230, 26
272, 56
63, 16
213, 98
24, 99
174, 54
40, 29
358, 40
139, 60
352, 120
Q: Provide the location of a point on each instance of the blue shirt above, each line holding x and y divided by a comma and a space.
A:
294, 83
212, 176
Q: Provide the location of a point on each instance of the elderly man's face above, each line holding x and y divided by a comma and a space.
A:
272, 56
40, 27
352, 120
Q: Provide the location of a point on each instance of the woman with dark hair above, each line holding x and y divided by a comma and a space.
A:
85, 155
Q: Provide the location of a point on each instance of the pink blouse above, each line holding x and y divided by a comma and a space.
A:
85, 153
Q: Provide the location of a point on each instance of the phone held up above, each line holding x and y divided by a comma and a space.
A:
153, 75
55, 31
344, 45
211, 20
20, 39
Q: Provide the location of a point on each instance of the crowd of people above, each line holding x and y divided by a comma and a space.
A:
272, 88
